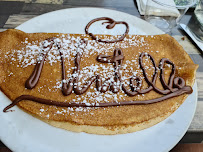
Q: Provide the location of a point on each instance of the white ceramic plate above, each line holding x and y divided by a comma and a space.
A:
22, 132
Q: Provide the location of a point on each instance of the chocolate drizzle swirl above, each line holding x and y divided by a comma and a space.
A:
111, 24
175, 86
34, 77
181, 91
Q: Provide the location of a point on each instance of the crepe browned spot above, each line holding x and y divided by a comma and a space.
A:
19, 52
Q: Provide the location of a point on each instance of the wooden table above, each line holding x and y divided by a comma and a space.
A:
14, 13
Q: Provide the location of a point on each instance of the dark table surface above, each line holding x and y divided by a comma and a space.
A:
13, 13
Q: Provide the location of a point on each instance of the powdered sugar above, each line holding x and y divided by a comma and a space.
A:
69, 46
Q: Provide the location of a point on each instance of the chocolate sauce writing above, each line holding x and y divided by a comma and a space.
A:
175, 87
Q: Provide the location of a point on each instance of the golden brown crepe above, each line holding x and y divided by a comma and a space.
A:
18, 55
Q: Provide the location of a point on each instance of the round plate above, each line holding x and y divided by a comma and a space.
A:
23, 132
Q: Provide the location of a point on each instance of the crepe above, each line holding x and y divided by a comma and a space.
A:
20, 52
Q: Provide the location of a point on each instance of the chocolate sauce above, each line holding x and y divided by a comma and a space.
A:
186, 89
111, 24
34, 77
175, 86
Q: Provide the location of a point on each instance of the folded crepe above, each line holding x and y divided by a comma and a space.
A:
73, 82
